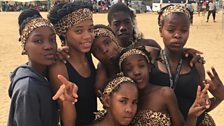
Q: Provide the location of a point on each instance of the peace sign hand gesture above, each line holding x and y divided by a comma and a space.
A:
67, 91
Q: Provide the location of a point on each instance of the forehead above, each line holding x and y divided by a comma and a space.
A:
125, 89
135, 57
120, 16
178, 17
45, 30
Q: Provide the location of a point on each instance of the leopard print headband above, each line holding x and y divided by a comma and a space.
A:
32, 25
173, 9
103, 32
71, 19
115, 82
130, 53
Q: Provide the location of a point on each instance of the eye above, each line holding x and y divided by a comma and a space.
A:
141, 65
135, 102
79, 31
38, 41
123, 101
91, 30
53, 40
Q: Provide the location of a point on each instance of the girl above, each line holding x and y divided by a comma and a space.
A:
74, 25
173, 69
30, 91
120, 102
157, 105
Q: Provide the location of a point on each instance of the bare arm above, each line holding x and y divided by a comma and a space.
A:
173, 109
101, 78
67, 109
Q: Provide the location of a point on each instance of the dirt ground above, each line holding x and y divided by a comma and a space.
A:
206, 37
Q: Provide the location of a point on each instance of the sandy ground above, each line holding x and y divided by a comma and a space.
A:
206, 37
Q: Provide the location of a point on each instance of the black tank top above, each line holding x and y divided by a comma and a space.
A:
87, 102
186, 88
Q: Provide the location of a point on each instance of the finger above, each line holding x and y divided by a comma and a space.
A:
63, 80
65, 49
65, 55
69, 98
210, 75
194, 60
60, 91
198, 95
74, 91
215, 73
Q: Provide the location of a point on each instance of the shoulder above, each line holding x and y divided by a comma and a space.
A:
148, 42
58, 68
167, 92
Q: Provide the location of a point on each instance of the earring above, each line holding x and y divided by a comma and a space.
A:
24, 52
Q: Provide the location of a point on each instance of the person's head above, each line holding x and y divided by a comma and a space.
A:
120, 100
38, 38
105, 47
122, 21
174, 26
135, 63
73, 23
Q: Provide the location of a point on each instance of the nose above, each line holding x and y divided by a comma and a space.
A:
105, 50
177, 35
49, 45
88, 35
136, 72
129, 108
122, 28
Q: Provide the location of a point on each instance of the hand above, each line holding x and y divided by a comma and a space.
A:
67, 91
195, 54
63, 54
215, 81
216, 85
201, 102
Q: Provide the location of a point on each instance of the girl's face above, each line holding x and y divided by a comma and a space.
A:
41, 46
105, 49
123, 104
80, 36
175, 31
122, 25
137, 68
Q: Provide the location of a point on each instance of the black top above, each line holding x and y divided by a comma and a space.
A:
87, 103
186, 88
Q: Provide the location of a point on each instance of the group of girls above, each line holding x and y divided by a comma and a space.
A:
164, 92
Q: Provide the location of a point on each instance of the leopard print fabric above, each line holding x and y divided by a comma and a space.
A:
71, 19
208, 121
151, 118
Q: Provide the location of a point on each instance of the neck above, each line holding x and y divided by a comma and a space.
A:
173, 55
146, 89
77, 56
109, 121
41, 69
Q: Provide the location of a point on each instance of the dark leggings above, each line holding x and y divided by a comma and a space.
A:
213, 14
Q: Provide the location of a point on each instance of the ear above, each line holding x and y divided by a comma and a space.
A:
106, 100
160, 31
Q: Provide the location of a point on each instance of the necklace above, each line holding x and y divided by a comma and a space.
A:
173, 79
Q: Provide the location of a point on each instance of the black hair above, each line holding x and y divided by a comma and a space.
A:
59, 11
119, 7
161, 22
141, 48
26, 16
